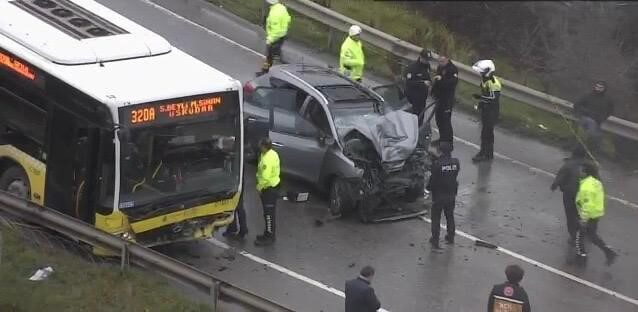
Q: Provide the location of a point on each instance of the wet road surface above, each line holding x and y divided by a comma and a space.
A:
506, 203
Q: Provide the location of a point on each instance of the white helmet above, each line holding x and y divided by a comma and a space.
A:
484, 67
354, 30
272, 1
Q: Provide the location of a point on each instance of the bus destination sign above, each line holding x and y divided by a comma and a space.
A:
17, 66
171, 110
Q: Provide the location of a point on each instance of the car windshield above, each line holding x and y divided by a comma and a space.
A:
178, 161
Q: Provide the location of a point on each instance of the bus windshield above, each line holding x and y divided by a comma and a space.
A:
187, 159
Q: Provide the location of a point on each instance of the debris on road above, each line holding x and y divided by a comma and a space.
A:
481, 243
41, 274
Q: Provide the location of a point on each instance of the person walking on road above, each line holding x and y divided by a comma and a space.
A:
568, 179
488, 106
592, 110
590, 201
443, 186
360, 296
418, 82
351, 58
268, 181
509, 296
277, 24
443, 90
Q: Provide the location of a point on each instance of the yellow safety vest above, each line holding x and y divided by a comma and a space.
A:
352, 56
277, 23
268, 170
590, 199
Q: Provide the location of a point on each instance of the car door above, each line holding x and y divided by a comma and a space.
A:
298, 143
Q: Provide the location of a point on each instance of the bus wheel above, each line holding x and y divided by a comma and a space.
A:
16, 182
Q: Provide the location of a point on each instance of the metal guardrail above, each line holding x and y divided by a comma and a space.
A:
409, 51
133, 252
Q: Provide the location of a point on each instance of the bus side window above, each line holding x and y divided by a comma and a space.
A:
23, 123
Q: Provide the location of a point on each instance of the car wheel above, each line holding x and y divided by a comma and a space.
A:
15, 181
413, 193
338, 201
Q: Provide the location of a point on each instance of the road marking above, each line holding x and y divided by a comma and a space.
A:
546, 267
282, 269
204, 28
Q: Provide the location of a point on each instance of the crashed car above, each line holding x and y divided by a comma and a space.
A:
360, 145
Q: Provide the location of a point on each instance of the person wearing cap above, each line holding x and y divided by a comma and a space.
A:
443, 186
567, 179
443, 90
488, 106
417, 83
509, 296
590, 201
268, 181
277, 24
592, 110
351, 58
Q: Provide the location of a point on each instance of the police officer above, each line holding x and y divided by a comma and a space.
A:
351, 58
443, 90
510, 293
417, 83
567, 179
277, 24
268, 181
489, 106
590, 201
443, 186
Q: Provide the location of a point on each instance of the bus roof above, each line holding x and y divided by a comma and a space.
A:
102, 53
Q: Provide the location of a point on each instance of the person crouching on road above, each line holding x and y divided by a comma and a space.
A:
417, 83
509, 294
277, 24
360, 296
590, 201
489, 106
268, 181
351, 58
443, 185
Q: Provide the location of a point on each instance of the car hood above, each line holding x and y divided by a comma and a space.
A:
394, 135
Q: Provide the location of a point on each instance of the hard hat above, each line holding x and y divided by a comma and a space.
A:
272, 1
484, 67
354, 30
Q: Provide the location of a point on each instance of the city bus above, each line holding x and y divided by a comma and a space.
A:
105, 121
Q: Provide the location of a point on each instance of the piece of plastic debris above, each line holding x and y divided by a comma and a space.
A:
41, 274
543, 127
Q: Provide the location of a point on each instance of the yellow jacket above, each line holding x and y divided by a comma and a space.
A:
590, 199
277, 23
352, 56
268, 170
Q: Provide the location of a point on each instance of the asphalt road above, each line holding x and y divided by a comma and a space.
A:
507, 202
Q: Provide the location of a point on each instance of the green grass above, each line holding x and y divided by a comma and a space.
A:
395, 19
77, 284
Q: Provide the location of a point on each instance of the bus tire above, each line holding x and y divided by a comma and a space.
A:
15, 181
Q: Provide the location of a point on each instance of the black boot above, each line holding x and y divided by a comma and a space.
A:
268, 238
449, 239
611, 255
482, 157
435, 244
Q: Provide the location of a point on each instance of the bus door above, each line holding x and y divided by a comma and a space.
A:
71, 166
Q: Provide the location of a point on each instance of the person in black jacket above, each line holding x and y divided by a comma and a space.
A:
443, 186
567, 179
509, 294
443, 90
417, 83
360, 296
592, 110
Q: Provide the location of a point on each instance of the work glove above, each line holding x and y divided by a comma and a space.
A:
476, 96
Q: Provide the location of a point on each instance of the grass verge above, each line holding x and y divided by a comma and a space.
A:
395, 19
77, 284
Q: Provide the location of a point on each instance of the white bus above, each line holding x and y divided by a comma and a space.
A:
103, 120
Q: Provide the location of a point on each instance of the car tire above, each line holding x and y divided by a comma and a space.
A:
15, 181
362, 211
413, 193
338, 202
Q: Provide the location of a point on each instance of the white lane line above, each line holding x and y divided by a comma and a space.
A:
281, 269
239, 45
546, 267
210, 32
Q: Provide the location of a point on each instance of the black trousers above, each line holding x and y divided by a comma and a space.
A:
238, 226
591, 232
269, 202
489, 118
273, 50
443, 119
571, 213
447, 207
